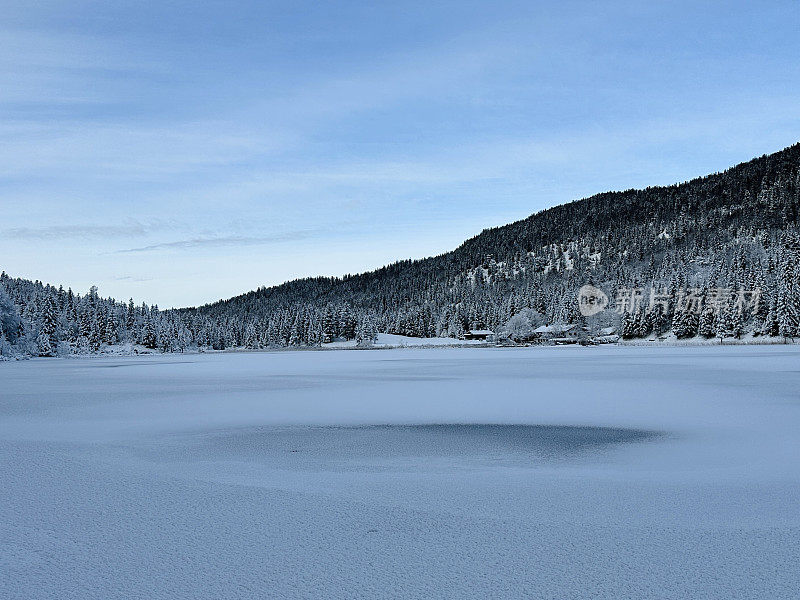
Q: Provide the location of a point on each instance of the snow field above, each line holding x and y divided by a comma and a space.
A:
563, 472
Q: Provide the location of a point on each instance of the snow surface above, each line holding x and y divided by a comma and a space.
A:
391, 340
605, 472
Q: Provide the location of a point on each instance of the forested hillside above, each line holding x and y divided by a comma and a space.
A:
735, 231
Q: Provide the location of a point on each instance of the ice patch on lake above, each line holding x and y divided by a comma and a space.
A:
401, 446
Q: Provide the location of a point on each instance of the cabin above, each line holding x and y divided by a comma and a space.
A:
607, 335
558, 332
483, 335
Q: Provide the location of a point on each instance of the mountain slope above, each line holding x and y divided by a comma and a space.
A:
719, 238
725, 230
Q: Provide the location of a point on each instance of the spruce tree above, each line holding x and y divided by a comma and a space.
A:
49, 322
706, 325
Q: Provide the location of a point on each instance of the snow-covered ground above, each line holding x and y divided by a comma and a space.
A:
564, 472
391, 340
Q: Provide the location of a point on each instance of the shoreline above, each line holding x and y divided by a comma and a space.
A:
688, 343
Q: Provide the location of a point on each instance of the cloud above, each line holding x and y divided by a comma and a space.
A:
225, 241
61, 232
89, 151
383, 82
132, 278
48, 68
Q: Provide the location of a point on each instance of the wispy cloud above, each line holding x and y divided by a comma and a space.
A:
225, 241
129, 228
389, 81
132, 278
112, 152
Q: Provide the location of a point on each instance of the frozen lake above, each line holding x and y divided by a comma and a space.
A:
564, 472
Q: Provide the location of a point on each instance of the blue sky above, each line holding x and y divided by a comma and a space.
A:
180, 152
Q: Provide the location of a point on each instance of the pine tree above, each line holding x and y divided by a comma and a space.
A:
149, 333
49, 324
44, 345
706, 325
329, 325
130, 316
110, 333
689, 324
628, 326
678, 324
85, 323
250, 336
365, 333
10, 321
184, 338
95, 338
736, 324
